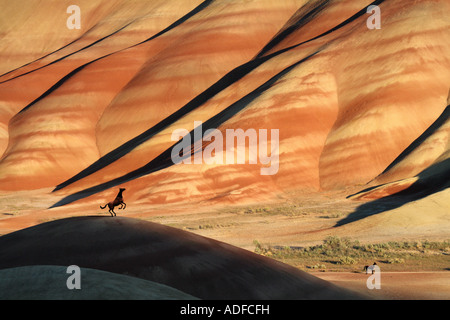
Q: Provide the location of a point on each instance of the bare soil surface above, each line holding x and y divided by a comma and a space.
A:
395, 285
296, 221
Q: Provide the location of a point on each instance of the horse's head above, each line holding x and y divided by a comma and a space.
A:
120, 192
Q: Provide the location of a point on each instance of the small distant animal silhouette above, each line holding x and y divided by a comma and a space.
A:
117, 201
367, 268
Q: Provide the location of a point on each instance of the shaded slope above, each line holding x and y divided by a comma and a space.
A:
423, 163
305, 15
202, 267
310, 9
422, 152
430, 151
434, 179
49, 283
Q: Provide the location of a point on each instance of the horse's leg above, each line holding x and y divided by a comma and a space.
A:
111, 210
124, 205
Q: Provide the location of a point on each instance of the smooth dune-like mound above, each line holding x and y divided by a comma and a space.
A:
49, 283
193, 264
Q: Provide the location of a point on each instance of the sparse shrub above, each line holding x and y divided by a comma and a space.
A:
332, 216
335, 242
332, 242
346, 260
395, 260
205, 226
258, 247
262, 210
344, 252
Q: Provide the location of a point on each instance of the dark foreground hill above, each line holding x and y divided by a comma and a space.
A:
195, 265
49, 283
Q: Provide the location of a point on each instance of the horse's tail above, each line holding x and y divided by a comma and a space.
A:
103, 206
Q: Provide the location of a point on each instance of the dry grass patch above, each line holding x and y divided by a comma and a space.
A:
343, 254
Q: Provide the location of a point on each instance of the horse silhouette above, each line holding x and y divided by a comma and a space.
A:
368, 269
117, 201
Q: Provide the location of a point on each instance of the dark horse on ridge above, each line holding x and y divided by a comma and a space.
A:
117, 201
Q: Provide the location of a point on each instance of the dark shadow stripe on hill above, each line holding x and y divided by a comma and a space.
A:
164, 160
431, 180
78, 69
312, 10
55, 86
44, 56
189, 15
310, 14
228, 79
70, 54
199, 8
131, 144
440, 121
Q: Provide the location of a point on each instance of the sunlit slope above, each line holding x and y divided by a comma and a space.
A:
347, 100
65, 103
81, 100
